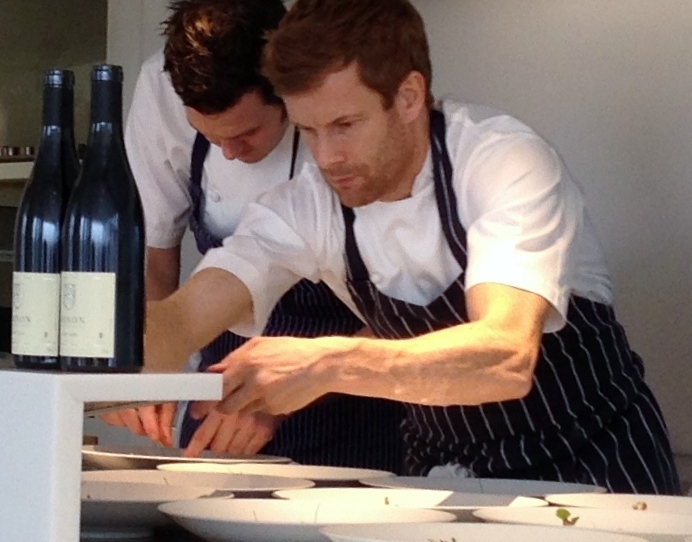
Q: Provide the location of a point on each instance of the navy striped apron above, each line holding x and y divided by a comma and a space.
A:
589, 417
338, 430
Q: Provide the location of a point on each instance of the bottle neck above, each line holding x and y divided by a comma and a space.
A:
58, 120
107, 103
58, 107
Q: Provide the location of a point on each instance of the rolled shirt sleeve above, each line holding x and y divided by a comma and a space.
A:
522, 219
268, 255
159, 141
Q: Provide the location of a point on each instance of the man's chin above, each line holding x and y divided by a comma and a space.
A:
354, 200
250, 159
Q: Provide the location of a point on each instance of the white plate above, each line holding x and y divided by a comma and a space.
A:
460, 504
653, 526
321, 475
665, 504
246, 485
127, 504
275, 520
494, 486
467, 532
143, 457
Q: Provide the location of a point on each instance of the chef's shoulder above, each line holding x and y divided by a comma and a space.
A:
305, 202
156, 106
470, 126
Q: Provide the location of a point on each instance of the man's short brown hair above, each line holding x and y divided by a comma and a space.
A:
214, 48
386, 38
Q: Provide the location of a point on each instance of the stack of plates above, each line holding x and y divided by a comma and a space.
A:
462, 505
320, 475
467, 532
274, 520
493, 486
117, 503
653, 526
241, 484
665, 504
120, 502
143, 457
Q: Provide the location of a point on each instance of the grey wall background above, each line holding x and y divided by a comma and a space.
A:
609, 83
36, 35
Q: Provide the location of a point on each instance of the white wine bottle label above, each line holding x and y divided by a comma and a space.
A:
87, 315
35, 313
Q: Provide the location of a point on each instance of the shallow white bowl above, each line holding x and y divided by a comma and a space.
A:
653, 526
241, 484
467, 532
665, 504
127, 504
143, 457
275, 520
460, 504
494, 486
321, 475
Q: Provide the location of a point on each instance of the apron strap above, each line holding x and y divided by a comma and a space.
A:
444, 188
200, 148
294, 152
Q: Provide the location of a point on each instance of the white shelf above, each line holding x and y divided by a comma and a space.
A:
41, 427
10, 171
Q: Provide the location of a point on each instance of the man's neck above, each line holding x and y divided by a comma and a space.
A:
420, 144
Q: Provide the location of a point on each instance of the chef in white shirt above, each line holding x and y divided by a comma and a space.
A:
457, 235
205, 136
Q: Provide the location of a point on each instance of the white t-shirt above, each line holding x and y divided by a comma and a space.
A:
159, 142
524, 217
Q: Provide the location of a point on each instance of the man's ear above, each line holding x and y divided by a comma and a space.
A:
411, 98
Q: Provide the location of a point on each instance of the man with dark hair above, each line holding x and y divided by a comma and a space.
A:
459, 237
205, 136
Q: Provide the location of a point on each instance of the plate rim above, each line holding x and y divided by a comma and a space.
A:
357, 473
447, 516
90, 450
370, 482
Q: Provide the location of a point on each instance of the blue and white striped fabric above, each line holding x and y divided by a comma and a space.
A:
590, 417
337, 430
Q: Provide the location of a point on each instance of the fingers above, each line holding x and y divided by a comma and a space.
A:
228, 435
232, 433
113, 418
201, 409
203, 436
263, 433
149, 419
166, 416
239, 400
154, 422
125, 418
131, 420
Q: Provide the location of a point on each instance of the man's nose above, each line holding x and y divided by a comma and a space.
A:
327, 153
231, 149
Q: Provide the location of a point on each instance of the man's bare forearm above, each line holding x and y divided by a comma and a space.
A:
490, 359
206, 305
468, 364
163, 272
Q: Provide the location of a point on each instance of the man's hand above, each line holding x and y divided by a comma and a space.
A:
155, 421
243, 434
275, 375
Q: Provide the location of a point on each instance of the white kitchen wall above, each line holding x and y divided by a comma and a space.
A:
610, 85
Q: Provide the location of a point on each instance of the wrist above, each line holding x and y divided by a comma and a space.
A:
344, 365
164, 339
